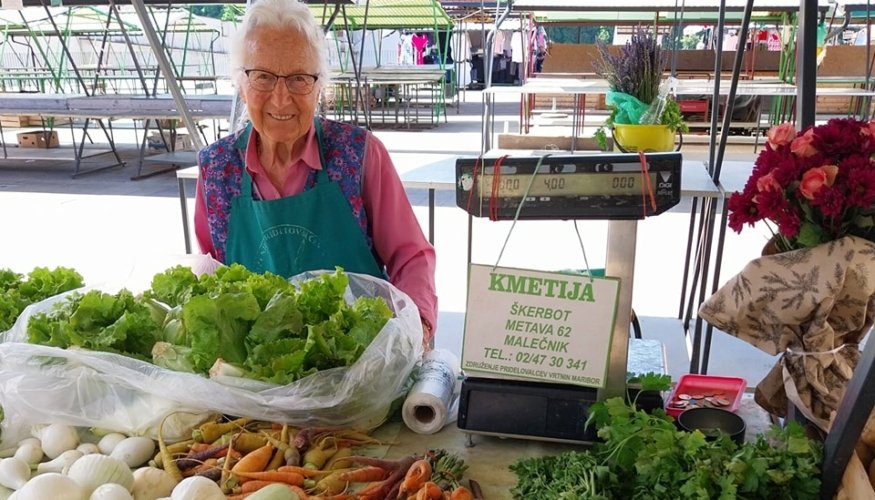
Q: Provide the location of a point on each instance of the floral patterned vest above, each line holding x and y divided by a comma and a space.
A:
222, 162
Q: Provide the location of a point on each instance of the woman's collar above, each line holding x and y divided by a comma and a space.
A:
310, 154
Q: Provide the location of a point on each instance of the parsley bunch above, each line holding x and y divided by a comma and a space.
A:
644, 456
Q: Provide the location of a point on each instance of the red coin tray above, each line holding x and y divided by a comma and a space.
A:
729, 389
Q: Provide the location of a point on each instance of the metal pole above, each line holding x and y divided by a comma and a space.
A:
167, 71
487, 68
715, 95
806, 50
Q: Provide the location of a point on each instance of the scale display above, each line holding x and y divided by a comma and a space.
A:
603, 186
576, 184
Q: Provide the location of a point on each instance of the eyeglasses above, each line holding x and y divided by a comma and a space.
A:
265, 81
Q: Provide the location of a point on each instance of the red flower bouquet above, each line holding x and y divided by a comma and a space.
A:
814, 186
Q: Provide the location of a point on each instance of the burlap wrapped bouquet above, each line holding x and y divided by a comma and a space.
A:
812, 306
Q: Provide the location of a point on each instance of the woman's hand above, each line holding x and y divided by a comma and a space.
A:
427, 337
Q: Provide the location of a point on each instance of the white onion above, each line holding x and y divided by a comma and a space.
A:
111, 491
94, 470
50, 485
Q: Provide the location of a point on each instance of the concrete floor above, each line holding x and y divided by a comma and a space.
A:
111, 228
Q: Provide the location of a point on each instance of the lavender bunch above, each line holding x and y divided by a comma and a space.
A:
636, 69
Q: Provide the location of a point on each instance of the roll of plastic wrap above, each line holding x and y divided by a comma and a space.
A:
432, 401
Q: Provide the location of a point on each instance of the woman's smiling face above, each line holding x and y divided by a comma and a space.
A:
279, 115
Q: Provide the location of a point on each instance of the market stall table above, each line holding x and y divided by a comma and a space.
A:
109, 107
578, 88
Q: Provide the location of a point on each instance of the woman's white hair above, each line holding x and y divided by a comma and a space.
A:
292, 15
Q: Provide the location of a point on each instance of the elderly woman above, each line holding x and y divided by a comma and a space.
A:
289, 192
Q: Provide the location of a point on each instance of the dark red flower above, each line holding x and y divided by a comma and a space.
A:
823, 178
830, 200
742, 210
861, 187
839, 137
789, 224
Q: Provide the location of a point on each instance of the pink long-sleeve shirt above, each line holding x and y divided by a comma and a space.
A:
397, 236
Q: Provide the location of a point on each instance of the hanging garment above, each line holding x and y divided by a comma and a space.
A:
419, 41
406, 55
517, 50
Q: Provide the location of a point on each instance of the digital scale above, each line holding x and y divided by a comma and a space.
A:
501, 395
606, 186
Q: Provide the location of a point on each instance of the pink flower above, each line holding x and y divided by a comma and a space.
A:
768, 183
868, 129
801, 146
816, 178
781, 135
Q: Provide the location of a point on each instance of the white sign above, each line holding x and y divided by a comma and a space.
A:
552, 327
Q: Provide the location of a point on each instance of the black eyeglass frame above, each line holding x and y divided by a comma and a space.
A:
286, 78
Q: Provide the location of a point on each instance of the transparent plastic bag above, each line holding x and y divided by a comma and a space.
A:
631, 111
40, 384
653, 114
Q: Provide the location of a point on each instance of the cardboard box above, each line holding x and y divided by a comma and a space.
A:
42, 139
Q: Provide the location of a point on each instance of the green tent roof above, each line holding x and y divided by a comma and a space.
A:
389, 14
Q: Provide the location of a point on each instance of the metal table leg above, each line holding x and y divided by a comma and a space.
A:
184, 206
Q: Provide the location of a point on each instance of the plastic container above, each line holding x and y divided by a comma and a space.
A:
699, 391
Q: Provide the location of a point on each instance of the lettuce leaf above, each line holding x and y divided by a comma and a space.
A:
218, 327
98, 321
16, 292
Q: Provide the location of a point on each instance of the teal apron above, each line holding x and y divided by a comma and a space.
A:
305, 232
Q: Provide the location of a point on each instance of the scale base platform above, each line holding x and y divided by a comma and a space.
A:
526, 410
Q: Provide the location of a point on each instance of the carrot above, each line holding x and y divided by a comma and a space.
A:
304, 438
214, 474
331, 484
402, 463
364, 475
208, 464
461, 493
250, 486
198, 447
303, 471
385, 488
416, 476
246, 442
175, 449
281, 447
429, 491
166, 457
254, 461
320, 453
225, 477
302, 495
194, 459
272, 476
339, 459
356, 437
292, 456
211, 431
